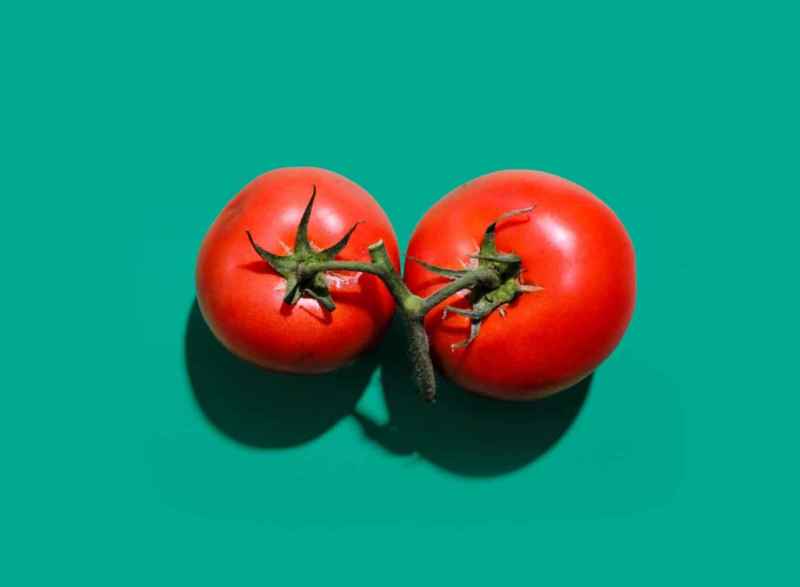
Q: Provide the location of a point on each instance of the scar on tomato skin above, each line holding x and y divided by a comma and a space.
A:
315, 247
339, 281
471, 262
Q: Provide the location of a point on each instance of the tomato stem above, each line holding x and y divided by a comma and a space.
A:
420, 356
412, 307
492, 284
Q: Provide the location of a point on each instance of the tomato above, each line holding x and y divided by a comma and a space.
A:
241, 296
571, 245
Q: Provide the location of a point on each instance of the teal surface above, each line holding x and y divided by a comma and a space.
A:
135, 452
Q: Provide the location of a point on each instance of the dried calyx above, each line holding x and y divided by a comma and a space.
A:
493, 283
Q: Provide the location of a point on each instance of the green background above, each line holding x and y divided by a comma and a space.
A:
136, 452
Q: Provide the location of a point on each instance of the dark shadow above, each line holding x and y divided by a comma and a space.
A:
462, 432
262, 409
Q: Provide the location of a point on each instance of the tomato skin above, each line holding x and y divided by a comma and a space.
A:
572, 245
241, 297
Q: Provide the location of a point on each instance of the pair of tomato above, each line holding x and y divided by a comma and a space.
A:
571, 245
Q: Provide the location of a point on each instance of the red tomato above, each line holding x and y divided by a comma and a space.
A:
571, 244
241, 296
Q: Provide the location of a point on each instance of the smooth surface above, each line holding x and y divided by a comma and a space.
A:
571, 245
242, 298
135, 452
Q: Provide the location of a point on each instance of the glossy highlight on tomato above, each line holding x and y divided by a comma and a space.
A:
571, 244
241, 296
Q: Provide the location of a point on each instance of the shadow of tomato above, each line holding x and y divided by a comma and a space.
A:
262, 409
464, 433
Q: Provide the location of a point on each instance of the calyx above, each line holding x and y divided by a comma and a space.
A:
291, 266
484, 298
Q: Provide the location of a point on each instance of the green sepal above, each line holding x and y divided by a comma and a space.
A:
450, 273
488, 246
499, 258
301, 244
484, 300
290, 266
325, 300
330, 253
284, 265
293, 291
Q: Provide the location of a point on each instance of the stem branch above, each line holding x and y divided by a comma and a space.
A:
496, 275
485, 277
412, 307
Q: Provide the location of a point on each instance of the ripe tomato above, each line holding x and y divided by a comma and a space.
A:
241, 296
571, 244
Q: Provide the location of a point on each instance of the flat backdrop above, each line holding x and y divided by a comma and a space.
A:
136, 451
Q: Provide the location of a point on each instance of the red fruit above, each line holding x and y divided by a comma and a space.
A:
241, 296
571, 244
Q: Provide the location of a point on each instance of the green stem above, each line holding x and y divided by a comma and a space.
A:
485, 277
492, 283
412, 307
420, 357
380, 266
